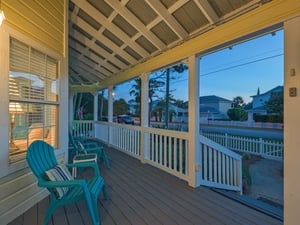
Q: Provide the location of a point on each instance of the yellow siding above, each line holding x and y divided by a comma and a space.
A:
41, 20
44, 22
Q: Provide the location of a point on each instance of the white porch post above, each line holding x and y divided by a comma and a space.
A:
71, 109
291, 121
95, 94
144, 117
110, 111
193, 155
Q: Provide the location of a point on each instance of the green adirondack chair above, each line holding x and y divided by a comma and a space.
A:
59, 182
83, 146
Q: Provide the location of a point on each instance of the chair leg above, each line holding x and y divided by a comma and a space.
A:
104, 192
51, 208
105, 156
93, 209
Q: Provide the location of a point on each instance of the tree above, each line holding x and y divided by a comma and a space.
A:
275, 103
238, 102
181, 104
159, 82
237, 114
120, 107
135, 91
179, 68
83, 105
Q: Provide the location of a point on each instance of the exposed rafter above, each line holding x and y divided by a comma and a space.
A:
106, 38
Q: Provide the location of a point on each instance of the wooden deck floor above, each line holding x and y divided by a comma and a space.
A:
140, 194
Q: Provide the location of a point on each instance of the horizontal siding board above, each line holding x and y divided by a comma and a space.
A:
41, 25
21, 14
12, 186
54, 19
18, 197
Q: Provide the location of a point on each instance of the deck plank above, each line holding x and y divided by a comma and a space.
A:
31, 216
140, 194
73, 214
150, 192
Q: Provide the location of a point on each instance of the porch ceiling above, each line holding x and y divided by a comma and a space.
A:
107, 37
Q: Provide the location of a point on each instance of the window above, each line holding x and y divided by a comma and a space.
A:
33, 98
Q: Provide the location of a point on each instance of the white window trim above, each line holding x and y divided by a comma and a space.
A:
5, 33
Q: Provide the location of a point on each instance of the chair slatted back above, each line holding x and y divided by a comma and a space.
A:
73, 142
40, 157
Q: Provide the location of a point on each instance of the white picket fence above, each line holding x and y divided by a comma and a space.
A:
271, 149
169, 151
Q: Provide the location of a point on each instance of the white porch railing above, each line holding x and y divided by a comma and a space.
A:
270, 149
82, 128
169, 151
123, 137
220, 167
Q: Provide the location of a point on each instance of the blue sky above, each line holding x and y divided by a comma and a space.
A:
236, 71
244, 68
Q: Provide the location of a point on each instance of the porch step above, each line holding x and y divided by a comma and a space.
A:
263, 205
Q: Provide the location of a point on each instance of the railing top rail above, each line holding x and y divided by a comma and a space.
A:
219, 147
172, 133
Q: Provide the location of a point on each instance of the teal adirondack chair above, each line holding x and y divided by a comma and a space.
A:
59, 182
83, 146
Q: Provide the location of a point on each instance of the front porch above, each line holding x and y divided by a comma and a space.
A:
141, 194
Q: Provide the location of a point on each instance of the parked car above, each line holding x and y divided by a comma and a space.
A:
125, 119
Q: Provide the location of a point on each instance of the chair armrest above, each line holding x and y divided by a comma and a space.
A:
94, 165
91, 145
67, 183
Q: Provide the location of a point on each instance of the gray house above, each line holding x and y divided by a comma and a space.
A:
214, 107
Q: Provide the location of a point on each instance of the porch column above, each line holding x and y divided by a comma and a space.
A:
71, 109
194, 127
291, 121
95, 94
110, 111
144, 117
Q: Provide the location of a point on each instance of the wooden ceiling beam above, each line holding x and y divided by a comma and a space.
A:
93, 56
167, 17
131, 19
207, 11
93, 66
78, 36
105, 41
107, 24
95, 73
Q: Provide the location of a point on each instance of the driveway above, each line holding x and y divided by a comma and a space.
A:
266, 181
